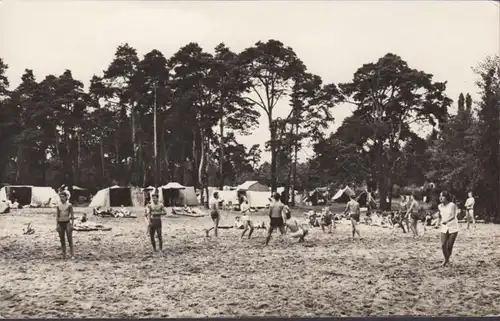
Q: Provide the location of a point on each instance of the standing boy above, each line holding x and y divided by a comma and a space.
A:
65, 220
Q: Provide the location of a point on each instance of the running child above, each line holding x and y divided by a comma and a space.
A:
245, 211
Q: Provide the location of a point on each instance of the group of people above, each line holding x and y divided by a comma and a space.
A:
280, 217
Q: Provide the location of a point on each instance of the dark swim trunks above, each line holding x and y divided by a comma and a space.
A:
154, 225
277, 222
355, 217
62, 226
214, 215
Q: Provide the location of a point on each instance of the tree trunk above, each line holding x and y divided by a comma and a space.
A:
134, 143
103, 175
294, 179
381, 178
195, 159
272, 130
201, 165
221, 155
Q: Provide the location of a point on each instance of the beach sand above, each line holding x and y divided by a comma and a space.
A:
116, 274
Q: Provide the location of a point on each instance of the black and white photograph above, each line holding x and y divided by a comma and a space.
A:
214, 159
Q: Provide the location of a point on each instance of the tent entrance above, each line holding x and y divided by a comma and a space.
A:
21, 194
171, 197
119, 197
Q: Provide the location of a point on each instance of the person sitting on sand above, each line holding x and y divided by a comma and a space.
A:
449, 225
296, 230
215, 205
245, 211
65, 219
154, 212
353, 210
276, 217
326, 220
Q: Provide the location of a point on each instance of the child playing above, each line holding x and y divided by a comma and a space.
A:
65, 219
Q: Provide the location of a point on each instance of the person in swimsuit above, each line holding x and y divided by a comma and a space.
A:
215, 205
412, 214
154, 212
245, 211
297, 230
276, 217
353, 209
469, 211
448, 225
403, 220
65, 219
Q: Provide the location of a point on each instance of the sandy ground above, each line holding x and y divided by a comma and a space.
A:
115, 273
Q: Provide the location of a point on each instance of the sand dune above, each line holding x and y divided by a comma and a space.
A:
115, 273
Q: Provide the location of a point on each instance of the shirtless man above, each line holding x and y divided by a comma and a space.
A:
65, 219
353, 209
327, 220
469, 211
297, 230
215, 204
413, 214
276, 217
154, 212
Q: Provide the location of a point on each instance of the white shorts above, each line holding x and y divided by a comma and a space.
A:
469, 212
246, 218
451, 227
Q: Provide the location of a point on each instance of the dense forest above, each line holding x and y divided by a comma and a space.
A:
53, 131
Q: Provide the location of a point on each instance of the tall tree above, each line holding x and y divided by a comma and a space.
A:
489, 135
390, 97
271, 67
230, 84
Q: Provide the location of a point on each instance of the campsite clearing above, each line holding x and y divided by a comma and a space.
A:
116, 275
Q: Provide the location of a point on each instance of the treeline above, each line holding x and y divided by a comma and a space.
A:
53, 131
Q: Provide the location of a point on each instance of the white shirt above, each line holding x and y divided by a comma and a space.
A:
245, 211
446, 213
469, 204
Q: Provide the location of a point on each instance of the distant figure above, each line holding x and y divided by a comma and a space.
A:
469, 211
215, 205
353, 210
413, 214
65, 219
403, 208
326, 220
449, 225
154, 212
276, 217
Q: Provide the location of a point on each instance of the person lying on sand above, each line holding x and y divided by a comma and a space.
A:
353, 209
154, 212
296, 230
215, 205
245, 211
65, 219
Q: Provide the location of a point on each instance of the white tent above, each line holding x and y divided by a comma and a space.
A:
116, 196
30, 195
342, 196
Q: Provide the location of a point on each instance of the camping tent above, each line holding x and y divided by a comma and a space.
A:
26, 195
343, 194
189, 196
252, 186
116, 196
172, 194
256, 193
318, 196
79, 195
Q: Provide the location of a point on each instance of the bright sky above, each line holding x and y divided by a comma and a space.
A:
333, 38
